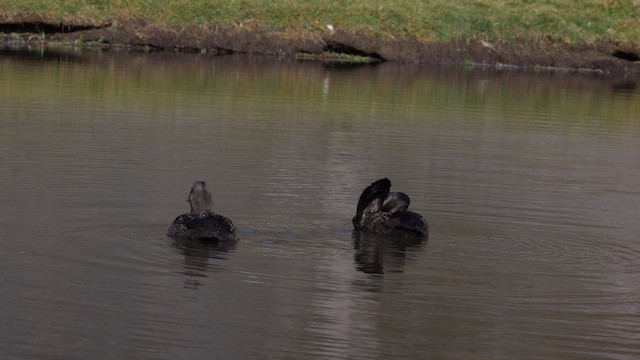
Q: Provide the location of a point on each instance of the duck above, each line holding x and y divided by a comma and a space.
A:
201, 223
384, 212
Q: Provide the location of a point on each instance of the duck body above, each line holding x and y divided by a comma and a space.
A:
203, 226
395, 224
384, 212
202, 223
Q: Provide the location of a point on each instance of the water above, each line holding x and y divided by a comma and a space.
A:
530, 183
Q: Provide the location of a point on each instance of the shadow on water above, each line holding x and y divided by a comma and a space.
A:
48, 55
200, 257
625, 86
377, 254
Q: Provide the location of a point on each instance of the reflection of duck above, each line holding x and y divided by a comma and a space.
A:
202, 223
197, 257
383, 212
377, 254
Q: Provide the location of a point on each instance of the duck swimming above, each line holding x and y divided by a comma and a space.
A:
384, 212
202, 223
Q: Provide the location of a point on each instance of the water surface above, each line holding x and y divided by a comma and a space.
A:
530, 183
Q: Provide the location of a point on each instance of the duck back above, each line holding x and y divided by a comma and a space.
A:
203, 226
396, 223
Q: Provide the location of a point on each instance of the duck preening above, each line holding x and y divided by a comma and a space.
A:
202, 223
384, 212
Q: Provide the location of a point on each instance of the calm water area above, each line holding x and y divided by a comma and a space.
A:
530, 182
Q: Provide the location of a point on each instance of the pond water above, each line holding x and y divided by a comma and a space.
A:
530, 183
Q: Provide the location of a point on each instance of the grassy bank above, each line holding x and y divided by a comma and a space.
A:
564, 21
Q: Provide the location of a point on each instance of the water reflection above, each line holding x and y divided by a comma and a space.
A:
201, 257
44, 55
625, 86
379, 254
530, 179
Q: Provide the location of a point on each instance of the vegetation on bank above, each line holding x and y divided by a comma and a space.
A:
566, 21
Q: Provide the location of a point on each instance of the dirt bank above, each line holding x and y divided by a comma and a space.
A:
605, 57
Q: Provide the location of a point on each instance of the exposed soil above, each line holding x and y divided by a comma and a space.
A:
607, 57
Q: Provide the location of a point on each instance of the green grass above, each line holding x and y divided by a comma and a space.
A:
438, 20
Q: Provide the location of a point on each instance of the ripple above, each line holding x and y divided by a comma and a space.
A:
529, 182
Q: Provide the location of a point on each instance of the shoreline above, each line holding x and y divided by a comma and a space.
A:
602, 57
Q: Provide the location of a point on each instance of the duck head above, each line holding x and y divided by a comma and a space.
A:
395, 202
200, 198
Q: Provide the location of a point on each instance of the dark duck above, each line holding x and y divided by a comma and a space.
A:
384, 212
202, 223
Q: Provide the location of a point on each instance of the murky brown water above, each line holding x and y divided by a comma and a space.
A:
530, 183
